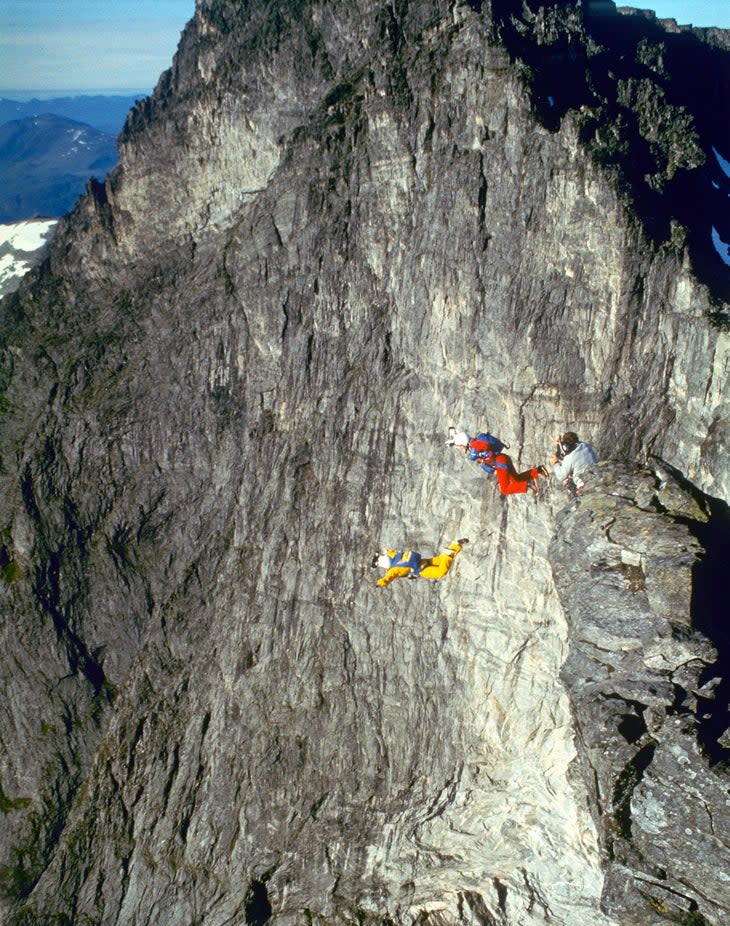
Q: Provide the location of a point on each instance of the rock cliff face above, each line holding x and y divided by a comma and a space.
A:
336, 229
643, 682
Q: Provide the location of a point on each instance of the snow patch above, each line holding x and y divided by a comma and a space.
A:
26, 236
21, 247
722, 247
724, 165
12, 267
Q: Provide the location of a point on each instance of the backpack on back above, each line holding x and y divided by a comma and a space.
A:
484, 442
406, 558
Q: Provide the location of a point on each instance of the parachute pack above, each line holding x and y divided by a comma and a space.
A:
484, 442
405, 558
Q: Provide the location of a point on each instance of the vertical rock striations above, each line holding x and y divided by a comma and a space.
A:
336, 229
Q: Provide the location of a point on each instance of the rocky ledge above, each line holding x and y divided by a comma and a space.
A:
635, 561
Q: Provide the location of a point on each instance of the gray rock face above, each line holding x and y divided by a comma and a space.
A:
335, 230
622, 566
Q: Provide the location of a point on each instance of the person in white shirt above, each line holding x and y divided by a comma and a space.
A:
572, 457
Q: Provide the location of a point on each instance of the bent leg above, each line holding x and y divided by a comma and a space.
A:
440, 565
395, 572
511, 482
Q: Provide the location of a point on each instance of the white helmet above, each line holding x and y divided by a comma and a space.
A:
460, 439
383, 561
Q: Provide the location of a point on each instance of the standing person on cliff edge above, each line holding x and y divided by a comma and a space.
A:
571, 458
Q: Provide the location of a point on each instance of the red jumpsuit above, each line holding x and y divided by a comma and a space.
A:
511, 482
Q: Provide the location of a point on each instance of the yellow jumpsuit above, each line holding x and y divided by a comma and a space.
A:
435, 568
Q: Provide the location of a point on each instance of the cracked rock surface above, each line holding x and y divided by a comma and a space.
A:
634, 670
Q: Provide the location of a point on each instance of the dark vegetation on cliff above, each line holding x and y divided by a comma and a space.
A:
650, 103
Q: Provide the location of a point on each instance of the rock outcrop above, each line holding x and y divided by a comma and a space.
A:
335, 230
642, 681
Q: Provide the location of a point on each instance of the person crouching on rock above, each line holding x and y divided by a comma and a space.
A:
487, 452
408, 564
571, 458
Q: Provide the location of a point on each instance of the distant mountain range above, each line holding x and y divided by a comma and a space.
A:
50, 148
45, 162
105, 113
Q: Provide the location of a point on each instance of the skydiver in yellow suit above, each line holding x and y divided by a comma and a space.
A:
408, 564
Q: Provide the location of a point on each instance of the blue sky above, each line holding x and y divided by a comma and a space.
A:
697, 12
85, 45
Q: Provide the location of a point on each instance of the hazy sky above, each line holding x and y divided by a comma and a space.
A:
58, 45
88, 44
697, 12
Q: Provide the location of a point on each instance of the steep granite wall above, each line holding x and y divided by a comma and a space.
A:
334, 231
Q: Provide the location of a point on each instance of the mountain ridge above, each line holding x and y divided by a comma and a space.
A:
46, 162
104, 112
